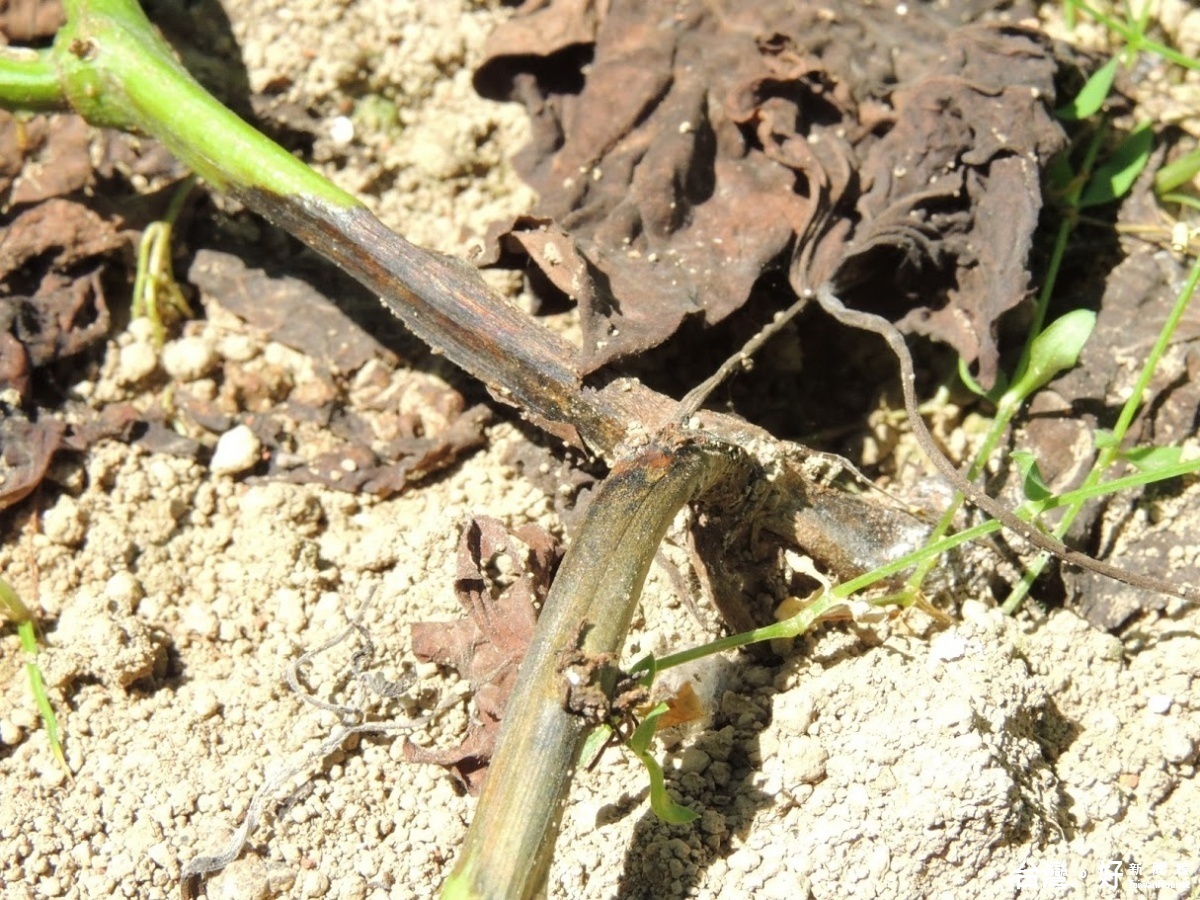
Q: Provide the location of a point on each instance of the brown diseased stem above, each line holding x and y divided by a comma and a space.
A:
445, 302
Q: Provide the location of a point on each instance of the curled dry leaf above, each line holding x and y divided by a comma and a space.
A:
52, 259
488, 645
26, 450
681, 153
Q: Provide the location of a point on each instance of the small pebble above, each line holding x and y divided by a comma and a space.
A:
10, 733
189, 358
1159, 704
135, 362
237, 450
341, 130
124, 590
948, 647
205, 704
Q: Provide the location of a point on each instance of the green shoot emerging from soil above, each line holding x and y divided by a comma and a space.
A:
19, 614
156, 293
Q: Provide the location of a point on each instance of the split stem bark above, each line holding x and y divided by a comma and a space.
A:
509, 846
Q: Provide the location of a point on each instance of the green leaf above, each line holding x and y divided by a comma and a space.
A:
19, 613
1103, 439
594, 743
1054, 351
660, 801
968, 380
1112, 179
645, 670
639, 741
1032, 484
1177, 172
1092, 96
1152, 459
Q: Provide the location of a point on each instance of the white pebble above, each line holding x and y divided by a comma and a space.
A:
189, 358
948, 647
341, 130
237, 450
124, 590
1159, 704
134, 363
11, 733
205, 704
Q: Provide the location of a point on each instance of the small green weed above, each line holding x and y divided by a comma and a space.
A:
156, 293
1081, 181
20, 615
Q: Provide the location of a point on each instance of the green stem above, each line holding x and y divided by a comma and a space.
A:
1008, 404
29, 80
798, 624
1109, 454
117, 71
1137, 41
19, 613
508, 848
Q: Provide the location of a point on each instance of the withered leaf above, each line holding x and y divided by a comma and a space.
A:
51, 260
952, 192
43, 157
26, 451
488, 645
356, 468
299, 313
680, 153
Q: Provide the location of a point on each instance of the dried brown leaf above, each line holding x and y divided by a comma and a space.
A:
23, 21
488, 645
26, 451
681, 155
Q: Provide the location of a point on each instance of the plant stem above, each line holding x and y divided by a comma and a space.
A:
18, 612
508, 849
29, 80
117, 71
1136, 40
1109, 454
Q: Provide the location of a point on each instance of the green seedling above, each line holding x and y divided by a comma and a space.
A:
156, 293
1088, 101
1113, 179
20, 615
1052, 351
1156, 462
1131, 30
1174, 175
660, 801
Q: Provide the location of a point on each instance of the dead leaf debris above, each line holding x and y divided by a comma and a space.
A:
501, 582
680, 153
